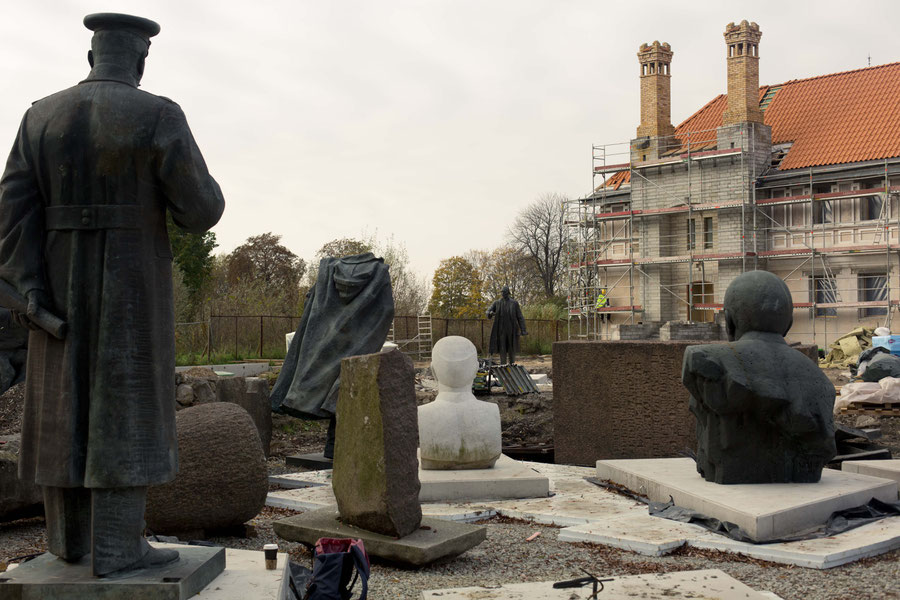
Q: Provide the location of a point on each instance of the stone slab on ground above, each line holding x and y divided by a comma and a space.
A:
765, 511
246, 578
592, 514
886, 469
433, 540
314, 461
251, 369
507, 479
654, 536
290, 484
711, 584
49, 578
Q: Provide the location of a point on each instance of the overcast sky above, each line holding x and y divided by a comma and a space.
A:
434, 121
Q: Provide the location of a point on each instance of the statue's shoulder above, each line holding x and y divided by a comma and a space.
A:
55, 97
155, 99
164, 99
706, 360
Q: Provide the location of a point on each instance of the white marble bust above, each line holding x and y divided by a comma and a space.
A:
457, 430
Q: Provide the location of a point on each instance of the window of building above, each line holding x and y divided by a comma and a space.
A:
707, 232
823, 212
872, 288
870, 207
700, 292
692, 234
823, 290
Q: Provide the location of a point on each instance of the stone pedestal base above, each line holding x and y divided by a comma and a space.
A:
433, 540
765, 511
508, 479
49, 578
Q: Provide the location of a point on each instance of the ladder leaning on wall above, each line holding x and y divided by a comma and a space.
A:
423, 337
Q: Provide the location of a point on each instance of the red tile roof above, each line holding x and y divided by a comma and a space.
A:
832, 119
616, 181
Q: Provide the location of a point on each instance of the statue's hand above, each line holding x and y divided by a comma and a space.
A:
37, 300
524, 332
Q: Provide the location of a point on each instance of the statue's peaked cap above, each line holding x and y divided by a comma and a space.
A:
109, 21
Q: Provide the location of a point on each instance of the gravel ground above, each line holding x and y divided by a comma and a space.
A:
505, 557
11, 404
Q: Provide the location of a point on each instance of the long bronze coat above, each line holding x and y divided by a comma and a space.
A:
83, 206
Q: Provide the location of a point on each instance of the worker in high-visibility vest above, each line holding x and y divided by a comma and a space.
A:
602, 302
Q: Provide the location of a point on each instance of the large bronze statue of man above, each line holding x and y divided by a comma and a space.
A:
508, 323
83, 203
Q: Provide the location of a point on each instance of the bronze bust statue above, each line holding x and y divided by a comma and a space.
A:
763, 409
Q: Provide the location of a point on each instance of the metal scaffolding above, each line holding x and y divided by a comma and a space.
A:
615, 236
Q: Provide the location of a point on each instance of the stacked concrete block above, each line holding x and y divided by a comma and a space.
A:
640, 331
683, 330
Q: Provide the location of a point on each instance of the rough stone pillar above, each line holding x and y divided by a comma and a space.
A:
376, 472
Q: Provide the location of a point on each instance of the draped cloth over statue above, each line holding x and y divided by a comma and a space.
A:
348, 312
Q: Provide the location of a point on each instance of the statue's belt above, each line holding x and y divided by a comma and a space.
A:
92, 216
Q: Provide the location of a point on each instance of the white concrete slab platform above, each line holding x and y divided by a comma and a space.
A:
711, 584
589, 513
245, 577
764, 511
886, 469
638, 532
654, 536
507, 479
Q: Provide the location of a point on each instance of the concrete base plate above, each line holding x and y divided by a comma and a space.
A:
50, 578
435, 538
589, 513
315, 461
886, 469
764, 511
712, 584
246, 578
508, 479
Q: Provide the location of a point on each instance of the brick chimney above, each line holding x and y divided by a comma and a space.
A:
656, 97
743, 74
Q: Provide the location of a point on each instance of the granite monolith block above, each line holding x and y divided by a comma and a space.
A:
375, 481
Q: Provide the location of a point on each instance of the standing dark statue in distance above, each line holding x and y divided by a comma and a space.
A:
83, 203
763, 409
508, 323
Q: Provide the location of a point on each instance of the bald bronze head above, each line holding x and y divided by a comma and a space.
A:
758, 301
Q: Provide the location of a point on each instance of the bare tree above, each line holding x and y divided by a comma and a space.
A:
539, 233
507, 265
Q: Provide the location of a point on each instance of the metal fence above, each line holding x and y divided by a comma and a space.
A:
540, 338
262, 336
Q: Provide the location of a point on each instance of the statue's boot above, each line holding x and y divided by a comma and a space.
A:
68, 515
118, 545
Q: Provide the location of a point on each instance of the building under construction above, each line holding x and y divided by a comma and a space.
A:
800, 179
